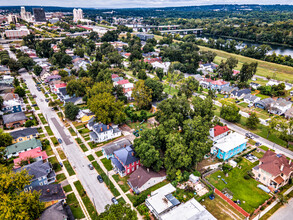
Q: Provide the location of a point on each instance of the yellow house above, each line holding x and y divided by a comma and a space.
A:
86, 118
24, 135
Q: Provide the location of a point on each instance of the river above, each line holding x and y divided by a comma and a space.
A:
283, 50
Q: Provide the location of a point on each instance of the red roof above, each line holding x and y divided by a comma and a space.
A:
220, 130
122, 82
60, 85
208, 80
114, 76
34, 153
219, 82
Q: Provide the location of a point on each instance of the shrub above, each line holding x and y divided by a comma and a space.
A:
247, 177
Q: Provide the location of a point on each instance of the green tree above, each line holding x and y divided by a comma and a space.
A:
160, 73
247, 71
252, 121
142, 74
20, 91
230, 112
63, 73
5, 139
37, 70
71, 111
29, 123
26, 62
76, 87
156, 87
142, 95
79, 52
15, 203
118, 212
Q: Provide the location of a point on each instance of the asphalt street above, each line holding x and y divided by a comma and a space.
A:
284, 213
97, 192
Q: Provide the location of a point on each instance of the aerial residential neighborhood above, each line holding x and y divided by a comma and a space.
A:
150, 110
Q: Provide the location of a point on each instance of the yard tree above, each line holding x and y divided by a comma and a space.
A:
37, 70
252, 121
79, 52
15, 203
203, 107
118, 212
230, 112
99, 87
13, 65
26, 62
286, 129
247, 71
160, 73
106, 108
71, 111
273, 124
5, 138
76, 87
20, 91
173, 77
63, 73
142, 95
1, 101
189, 86
142, 74
156, 87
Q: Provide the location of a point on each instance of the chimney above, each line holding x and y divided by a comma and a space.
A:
124, 145
132, 154
290, 161
101, 129
138, 177
282, 167
48, 190
108, 127
148, 169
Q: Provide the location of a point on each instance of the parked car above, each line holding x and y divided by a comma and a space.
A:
61, 164
34, 105
250, 105
100, 179
114, 200
47, 100
52, 109
248, 135
60, 140
257, 144
237, 101
91, 167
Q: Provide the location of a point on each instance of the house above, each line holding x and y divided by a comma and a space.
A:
144, 36
14, 149
126, 85
58, 211
163, 65
251, 99
81, 64
264, 103
6, 89
14, 119
36, 154
219, 84
143, 178
254, 85
229, 146
24, 134
55, 87
191, 209
52, 193
6, 79
44, 74
161, 200
218, 132
52, 78
62, 94
4, 70
101, 132
124, 161
280, 106
13, 106
274, 170
228, 89
289, 113
10, 96
42, 174
109, 149
116, 79
74, 100
240, 93
85, 115
272, 82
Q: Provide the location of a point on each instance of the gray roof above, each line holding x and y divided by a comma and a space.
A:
63, 91
14, 117
24, 132
58, 211
100, 127
117, 79
50, 192
111, 147
265, 102
241, 92
37, 169
250, 97
73, 99
282, 102
91, 122
126, 155
117, 164
3, 68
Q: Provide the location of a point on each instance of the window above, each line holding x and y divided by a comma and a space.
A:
41, 183
40, 179
28, 137
259, 175
25, 189
132, 168
30, 187
20, 139
264, 178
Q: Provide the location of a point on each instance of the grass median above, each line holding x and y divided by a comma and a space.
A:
69, 168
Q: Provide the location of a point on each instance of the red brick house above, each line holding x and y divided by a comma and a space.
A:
14, 120
124, 161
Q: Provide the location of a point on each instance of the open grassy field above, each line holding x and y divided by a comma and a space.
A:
244, 190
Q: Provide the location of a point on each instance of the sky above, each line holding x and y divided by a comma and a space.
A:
134, 3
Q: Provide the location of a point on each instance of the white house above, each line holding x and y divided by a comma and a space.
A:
240, 93
272, 82
280, 106
218, 132
164, 65
251, 99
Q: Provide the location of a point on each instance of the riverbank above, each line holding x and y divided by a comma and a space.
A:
266, 69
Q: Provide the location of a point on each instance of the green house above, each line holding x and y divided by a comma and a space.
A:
14, 149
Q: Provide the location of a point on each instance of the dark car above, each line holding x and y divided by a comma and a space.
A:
100, 179
91, 167
47, 100
34, 105
237, 101
61, 164
59, 140
257, 144
114, 200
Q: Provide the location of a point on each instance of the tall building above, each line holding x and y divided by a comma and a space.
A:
77, 15
18, 33
39, 14
12, 18
25, 15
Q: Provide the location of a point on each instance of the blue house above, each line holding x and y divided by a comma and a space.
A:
42, 173
108, 149
13, 106
229, 146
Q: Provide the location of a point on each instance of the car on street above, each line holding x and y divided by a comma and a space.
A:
91, 167
114, 200
100, 179
237, 101
248, 135
47, 100
34, 105
60, 140
61, 164
257, 144
52, 109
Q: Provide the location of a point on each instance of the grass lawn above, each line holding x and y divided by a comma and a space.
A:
68, 168
121, 200
55, 164
243, 104
264, 147
60, 115
55, 141
49, 131
262, 96
67, 188
84, 131
94, 145
99, 153
90, 157
71, 200
48, 150
72, 132
122, 182
137, 125
86, 201
107, 164
61, 154
60, 177
83, 147
244, 190
170, 90
42, 118
78, 140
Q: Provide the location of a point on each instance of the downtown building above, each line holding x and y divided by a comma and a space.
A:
77, 15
